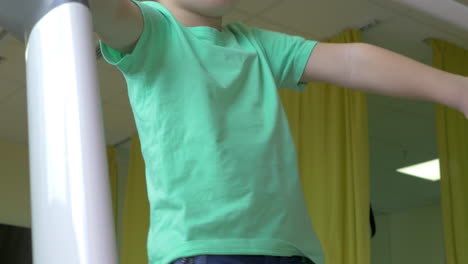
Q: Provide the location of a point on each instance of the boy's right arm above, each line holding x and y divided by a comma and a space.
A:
119, 23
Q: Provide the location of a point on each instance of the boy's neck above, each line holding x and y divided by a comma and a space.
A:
191, 19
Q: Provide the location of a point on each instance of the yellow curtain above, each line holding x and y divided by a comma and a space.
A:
135, 222
452, 133
329, 125
112, 163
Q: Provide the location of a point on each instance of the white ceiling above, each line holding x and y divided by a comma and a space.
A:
401, 132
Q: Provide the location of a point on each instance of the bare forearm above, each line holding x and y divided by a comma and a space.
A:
377, 70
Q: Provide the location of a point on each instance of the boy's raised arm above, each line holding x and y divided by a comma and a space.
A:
119, 23
372, 69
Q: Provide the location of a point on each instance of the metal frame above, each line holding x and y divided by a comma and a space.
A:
70, 195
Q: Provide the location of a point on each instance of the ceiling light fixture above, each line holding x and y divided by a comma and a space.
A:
454, 12
429, 170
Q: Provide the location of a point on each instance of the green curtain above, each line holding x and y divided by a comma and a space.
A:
452, 133
329, 125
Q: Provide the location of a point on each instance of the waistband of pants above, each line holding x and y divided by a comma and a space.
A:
242, 259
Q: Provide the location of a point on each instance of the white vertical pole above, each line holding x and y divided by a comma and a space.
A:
71, 208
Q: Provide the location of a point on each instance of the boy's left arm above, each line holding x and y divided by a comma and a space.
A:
372, 69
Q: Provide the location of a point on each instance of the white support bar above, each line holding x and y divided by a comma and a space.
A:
71, 207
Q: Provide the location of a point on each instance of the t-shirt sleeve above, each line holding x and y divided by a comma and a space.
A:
148, 46
287, 56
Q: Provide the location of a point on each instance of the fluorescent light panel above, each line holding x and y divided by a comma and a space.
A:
429, 170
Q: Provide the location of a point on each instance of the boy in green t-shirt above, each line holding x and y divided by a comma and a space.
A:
221, 167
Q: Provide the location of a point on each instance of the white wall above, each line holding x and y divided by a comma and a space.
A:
381, 242
409, 237
14, 185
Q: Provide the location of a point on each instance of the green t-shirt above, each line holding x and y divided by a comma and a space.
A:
221, 166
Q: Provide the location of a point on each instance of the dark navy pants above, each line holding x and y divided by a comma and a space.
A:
231, 259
